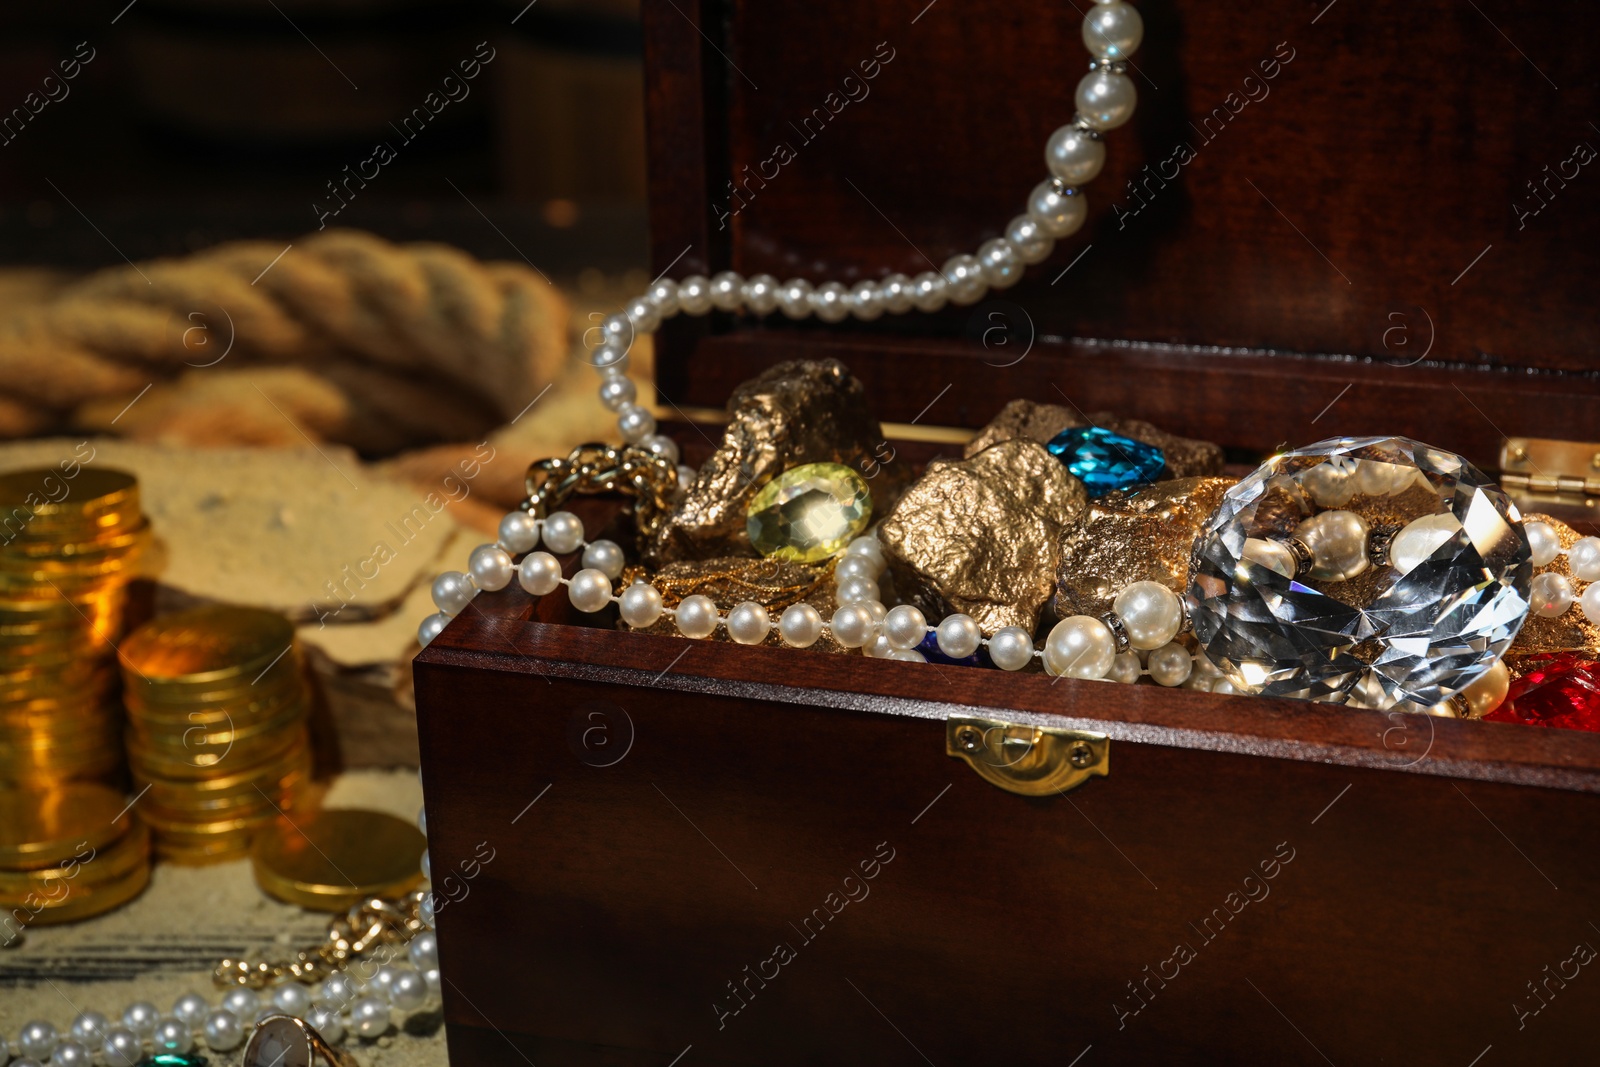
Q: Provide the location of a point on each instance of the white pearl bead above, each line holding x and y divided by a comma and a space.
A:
958, 636
1170, 664
425, 911
749, 623
642, 315
408, 991
1330, 484
590, 590
964, 280
1487, 690
828, 302
424, 950
77, 1054
617, 392
866, 301
563, 532
617, 330
242, 1002
634, 423
876, 609
896, 291
1011, 648
609, 358
1125, 668
539, 573
794, 298
292, 998
727, 291
852, 625
1151, 614
1113, 31
1591, 603
1272, 555
869, 546
1338, 543
1584, 559
369, 1017
856, 590
1033, 245
519, 532
800, 625
1105, 99
761, 294
191, 1008
1058, 215
1222, 685
491, 567
90, 1027
122, 1048
326, 1022
606, 557
171, 1035
1074, 155
1002, 265
905, 626
640, 607
452, 592
385, 978
1419, 539
663, 446
1550, 595
697, 616
906, 655
856, 566
694, 295
1080, 647
338, 989
663, 294
38, 1038
140, 1017
435, 984
223, 1030
422, 818
427, 872
1544, 542
685, 476
878, 647
928, 291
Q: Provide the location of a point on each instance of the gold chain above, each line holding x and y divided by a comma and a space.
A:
599, 468
375, 921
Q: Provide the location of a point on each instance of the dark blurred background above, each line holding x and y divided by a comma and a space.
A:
200, 121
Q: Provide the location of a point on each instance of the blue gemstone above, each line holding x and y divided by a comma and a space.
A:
1106, 461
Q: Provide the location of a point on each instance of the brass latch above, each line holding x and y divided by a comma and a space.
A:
1546, 467
1034, 761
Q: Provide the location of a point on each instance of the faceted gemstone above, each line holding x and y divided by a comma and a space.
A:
809, 513
1104, 461
1561, 690
1408, 636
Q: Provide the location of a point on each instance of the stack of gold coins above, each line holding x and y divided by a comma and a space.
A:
217, 703
69, 543
67, 852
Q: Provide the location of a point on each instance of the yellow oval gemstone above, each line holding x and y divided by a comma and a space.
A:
809, 513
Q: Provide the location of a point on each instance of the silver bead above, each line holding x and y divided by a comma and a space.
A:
727, 291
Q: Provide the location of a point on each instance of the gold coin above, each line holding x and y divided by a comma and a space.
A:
40, 828
263, 698
76, 902
92, 549
218, 765
48, 493
216, 643
336, 858
86, 865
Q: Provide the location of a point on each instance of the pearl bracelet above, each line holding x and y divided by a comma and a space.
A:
1551, 594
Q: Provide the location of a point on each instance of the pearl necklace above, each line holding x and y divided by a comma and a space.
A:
1074, 154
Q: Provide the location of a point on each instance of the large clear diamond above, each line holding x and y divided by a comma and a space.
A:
1389, 636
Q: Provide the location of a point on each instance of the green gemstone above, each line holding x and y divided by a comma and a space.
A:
173, 1059
809, 513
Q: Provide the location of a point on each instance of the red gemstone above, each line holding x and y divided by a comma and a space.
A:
1561, 690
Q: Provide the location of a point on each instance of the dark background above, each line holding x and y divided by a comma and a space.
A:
201, 121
